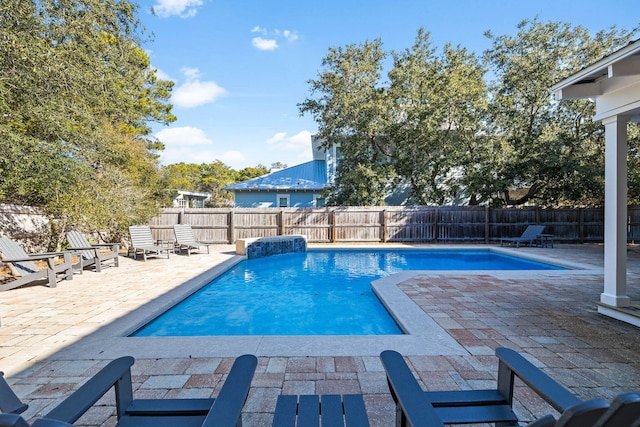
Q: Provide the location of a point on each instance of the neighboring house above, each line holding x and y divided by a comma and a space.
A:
301, 186
297, 186
190, 199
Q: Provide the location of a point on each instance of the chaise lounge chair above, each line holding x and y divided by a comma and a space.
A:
142, 242
418, 408
529, 235
93, 254
223, 411
25, 269
185, 239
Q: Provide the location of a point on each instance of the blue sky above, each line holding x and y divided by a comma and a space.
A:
240, 67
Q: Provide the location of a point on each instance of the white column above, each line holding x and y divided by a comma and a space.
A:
615, 213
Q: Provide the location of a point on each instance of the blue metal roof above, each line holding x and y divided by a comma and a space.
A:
306, 176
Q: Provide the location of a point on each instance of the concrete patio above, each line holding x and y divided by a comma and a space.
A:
52, 339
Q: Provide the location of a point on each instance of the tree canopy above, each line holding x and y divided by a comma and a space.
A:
460, 128
77, 98
552, 151
77, 95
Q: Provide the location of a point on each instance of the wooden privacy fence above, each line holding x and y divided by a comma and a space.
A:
391, 224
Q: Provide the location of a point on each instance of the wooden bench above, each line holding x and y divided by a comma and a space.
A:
327, 410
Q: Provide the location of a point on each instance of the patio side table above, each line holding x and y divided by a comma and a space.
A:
545, 240
167, 243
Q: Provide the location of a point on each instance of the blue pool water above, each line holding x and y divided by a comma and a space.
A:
312, 293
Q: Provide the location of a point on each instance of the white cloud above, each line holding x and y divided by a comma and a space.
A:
232, 158
190, 73
193, 92
276, 138
192, 145
185, 144
269, 39
301, 139
189, 144
162, 75
290, 36
298, 145
181, 8
196, 93
264, 44
180, 136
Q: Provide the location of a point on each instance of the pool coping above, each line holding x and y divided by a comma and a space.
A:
424, 335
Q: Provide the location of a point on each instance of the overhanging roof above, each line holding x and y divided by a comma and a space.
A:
310, 176
588, 82
193, 193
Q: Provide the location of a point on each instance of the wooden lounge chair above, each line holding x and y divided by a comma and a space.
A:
417, 408
529, 235
93, 254
25, 269
142, 243
331, 410
223, 411
186, 240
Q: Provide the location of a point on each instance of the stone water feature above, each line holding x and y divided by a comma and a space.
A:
267, 246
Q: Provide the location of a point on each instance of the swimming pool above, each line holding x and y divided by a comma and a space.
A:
312, 293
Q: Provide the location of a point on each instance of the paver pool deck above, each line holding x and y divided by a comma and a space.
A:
52, 339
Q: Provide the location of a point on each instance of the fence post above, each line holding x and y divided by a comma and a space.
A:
231, 231
487, 230
333, 226
384, 226
581, 225
435, 225
281, 219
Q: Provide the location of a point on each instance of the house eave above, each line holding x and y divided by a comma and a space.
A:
587, 83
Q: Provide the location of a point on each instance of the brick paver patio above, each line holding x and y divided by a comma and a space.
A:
552, 320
